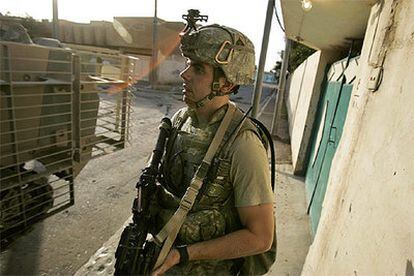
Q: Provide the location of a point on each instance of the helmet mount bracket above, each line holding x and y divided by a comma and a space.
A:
192, 17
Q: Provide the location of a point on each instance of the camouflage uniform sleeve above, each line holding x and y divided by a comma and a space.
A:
249, 171
178, 114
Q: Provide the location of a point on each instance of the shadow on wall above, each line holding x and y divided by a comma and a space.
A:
409, 271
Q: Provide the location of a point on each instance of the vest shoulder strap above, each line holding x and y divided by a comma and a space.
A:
241, 123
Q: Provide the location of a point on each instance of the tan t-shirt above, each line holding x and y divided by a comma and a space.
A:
250, 172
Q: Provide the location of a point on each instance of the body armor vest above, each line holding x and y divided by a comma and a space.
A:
213, 214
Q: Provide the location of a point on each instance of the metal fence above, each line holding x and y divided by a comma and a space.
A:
59, 108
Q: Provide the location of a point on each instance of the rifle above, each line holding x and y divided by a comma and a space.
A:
135, 254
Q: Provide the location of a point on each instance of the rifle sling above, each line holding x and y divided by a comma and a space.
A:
170, 230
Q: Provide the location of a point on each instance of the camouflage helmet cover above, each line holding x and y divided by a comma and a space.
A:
222, 47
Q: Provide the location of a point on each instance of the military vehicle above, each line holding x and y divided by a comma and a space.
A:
60, 106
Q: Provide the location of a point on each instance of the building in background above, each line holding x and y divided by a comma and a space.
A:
128, 35
351, 126
269, 77
133, 36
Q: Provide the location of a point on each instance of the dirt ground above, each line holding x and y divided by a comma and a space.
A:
104, 191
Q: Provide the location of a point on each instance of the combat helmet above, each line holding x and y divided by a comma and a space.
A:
225, 48
222, 47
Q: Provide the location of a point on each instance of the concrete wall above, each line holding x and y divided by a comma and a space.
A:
302, 101
367, 221
102, 33
169, 69
142, 67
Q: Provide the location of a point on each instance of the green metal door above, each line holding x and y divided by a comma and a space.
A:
327, 132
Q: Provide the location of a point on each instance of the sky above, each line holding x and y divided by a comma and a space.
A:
245, 16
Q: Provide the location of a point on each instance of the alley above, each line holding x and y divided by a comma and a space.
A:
73, 143
293, 233
62, 244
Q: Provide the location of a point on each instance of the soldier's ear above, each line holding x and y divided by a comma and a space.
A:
226, 87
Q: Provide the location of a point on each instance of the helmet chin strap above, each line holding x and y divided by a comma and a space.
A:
203, 101
215, 90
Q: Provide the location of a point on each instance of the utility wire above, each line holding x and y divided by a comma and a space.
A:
278, 19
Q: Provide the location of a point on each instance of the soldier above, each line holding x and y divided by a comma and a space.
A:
230, 229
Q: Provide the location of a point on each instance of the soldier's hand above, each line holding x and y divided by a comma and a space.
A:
172, 259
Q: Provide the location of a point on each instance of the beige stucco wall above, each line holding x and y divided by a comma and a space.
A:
102, 33
367, 221
169, 69
301, 103
142, 67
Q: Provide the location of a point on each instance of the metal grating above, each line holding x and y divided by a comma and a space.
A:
104, 101
59, 108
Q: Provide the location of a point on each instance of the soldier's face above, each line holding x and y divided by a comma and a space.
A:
197, 77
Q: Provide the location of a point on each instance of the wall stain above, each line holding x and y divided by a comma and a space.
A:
409, 271
389, 35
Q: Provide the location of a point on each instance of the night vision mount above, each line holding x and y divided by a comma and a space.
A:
192, 17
